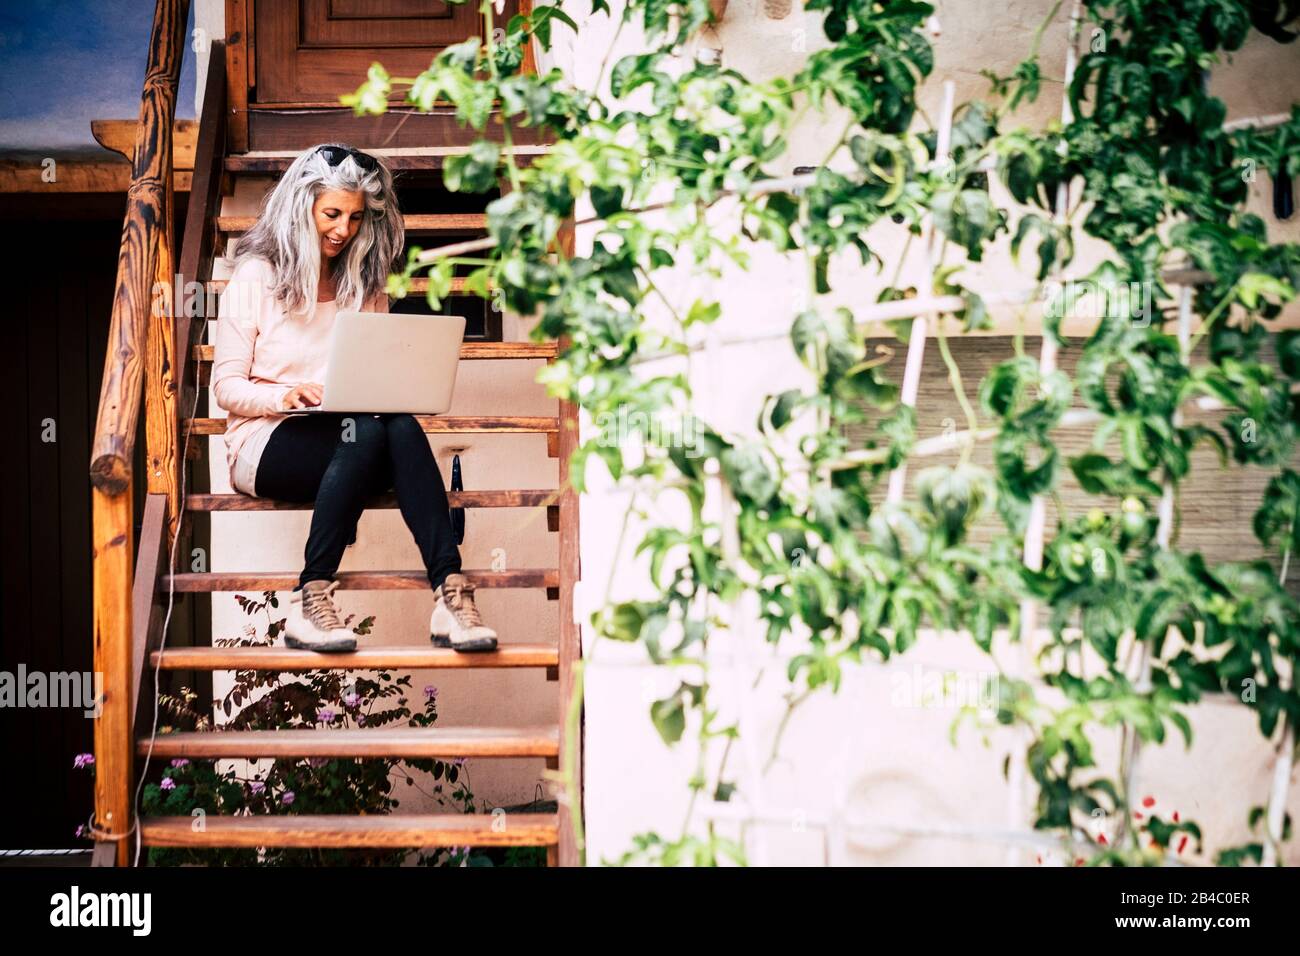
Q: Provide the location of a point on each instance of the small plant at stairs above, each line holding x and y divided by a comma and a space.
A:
260, 700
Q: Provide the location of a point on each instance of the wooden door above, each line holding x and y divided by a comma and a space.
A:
287, 62
310, 51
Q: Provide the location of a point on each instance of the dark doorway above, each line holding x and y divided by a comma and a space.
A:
60, 264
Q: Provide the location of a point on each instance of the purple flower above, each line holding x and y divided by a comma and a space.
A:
361, 720
287, 798
459, 761
180, 762
325, 715
318, 761
350, 701
81, 830
167, 783
256, 786
430, 692
83, 760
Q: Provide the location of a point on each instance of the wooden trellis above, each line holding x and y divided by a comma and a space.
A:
838, 826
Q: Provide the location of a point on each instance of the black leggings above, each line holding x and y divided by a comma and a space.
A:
338, 460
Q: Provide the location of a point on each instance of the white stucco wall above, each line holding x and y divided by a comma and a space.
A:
862, 750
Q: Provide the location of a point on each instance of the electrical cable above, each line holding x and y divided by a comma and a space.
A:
171, 600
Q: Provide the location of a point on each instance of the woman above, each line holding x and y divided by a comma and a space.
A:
325, 241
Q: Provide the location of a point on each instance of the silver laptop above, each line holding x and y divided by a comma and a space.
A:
390, 362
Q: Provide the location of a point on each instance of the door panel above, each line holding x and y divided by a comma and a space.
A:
310, 51
375, 9
439, 25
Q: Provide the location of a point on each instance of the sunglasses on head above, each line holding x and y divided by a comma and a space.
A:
336, 154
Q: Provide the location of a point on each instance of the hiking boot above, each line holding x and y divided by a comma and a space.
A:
313, 623
455, 622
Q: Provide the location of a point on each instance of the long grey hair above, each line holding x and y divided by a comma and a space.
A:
285, 234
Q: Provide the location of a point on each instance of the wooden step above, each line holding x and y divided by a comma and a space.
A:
457, 499
433, 424
420, 284
441, 222
469, 351
399, 160
339, 831
437, 742
364, 658
203, 355
414, 580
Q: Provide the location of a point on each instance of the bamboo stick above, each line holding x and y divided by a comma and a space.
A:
1035, 531
920, 325
1131, 746
1275, 823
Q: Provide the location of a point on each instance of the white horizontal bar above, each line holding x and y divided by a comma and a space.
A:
739, 812
901, 309
939, 444
1256, 122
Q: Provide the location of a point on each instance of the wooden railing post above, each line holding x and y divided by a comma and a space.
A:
112, 539
570, 850
240, 71
570, 756
145, 249
161, 354
196, 253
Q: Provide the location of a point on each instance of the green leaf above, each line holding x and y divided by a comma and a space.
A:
669, 718
1253, 285
607, 200
474, 171
705, 312
1134, 443
371, 98
783, 407
1288, 352
1013, 451
954, 497
967, 217
1277, 522
976, 314
1098, 475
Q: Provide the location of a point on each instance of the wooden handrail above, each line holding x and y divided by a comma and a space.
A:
197, 252
146, 242
146, 208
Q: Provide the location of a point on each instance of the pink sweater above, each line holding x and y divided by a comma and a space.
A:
262, 351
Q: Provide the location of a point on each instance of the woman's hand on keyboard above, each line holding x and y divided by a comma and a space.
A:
304, 395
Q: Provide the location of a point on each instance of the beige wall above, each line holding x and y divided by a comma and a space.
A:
862, 751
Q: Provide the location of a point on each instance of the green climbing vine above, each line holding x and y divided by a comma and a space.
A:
1146, 166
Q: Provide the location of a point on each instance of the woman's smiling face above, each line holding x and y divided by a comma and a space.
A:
338, 217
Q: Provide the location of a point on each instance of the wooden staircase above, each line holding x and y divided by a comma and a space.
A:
131, 595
